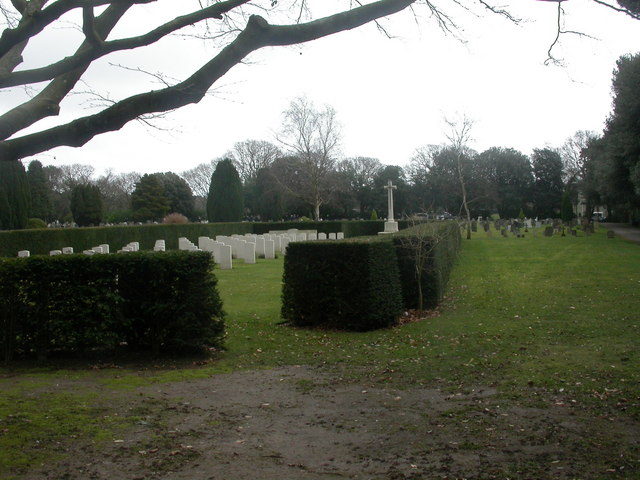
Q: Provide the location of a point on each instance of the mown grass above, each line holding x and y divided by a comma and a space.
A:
557, 315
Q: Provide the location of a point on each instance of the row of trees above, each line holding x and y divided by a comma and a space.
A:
305, 176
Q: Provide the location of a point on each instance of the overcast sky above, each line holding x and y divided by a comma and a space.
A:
390, 95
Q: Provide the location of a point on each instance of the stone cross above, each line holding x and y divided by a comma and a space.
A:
390, 187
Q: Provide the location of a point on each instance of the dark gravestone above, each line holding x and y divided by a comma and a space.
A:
548, 231
474, 226
610, 234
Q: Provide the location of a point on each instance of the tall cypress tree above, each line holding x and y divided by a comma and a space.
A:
225, 202
86, 205
15, 199
40, 191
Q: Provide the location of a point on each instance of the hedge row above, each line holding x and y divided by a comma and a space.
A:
41, 242
344, 285
77, 303
365, 283
434, 248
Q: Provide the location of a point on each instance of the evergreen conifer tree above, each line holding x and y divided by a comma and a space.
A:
225, 202
40, 191
566, 208
86, 205
15, 199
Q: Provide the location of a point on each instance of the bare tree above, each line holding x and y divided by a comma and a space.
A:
459, 136
249, 156
199, 178
573, 159
360, 172
116, 189
312, 137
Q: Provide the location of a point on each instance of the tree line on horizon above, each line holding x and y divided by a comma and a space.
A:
305, 177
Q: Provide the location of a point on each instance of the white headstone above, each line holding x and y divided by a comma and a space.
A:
340, 236
269, 249
332, 236
67, 250
24, 253
249, 252
260, 245
223, 257
322, 236
55, 252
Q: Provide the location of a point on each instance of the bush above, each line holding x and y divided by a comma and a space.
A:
343, 285
175, 218
35, 223
76, 303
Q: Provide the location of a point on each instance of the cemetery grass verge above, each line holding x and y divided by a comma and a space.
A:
546, 323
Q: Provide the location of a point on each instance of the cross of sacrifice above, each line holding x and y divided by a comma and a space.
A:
390, 187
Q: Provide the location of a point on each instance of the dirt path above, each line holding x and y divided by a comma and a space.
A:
304, 423
624, 230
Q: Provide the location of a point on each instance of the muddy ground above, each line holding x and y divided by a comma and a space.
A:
308, 423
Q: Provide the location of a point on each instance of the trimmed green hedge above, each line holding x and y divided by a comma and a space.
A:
364, 283
343, 285
42, 241
439, 243
76, 303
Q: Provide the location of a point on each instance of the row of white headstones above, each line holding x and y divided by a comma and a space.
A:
224, 248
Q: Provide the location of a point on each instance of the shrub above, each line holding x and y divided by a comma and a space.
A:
175, 218
35, 223
343, 285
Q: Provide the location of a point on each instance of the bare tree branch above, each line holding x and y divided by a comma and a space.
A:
33, 22
19, 5
86, 55
619, 9
47, 102
257, 34
88, 27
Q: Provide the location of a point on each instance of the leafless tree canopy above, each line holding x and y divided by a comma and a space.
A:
236, 28
250, 156
312, 137
199, 178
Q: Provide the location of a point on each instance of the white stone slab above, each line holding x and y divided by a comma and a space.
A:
269, 249
24, 253
223, 257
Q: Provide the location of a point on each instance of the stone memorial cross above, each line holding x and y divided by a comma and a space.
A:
390, 187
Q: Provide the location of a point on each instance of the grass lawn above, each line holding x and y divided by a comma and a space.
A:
535, 318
